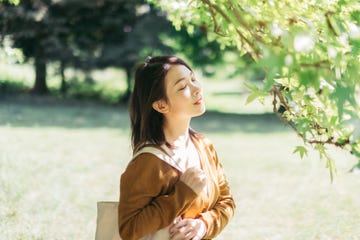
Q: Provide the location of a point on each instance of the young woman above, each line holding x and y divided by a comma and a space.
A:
189, 199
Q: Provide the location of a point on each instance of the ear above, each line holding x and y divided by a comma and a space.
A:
161, 106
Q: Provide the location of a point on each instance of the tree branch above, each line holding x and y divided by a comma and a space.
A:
278, 95
323, 64
252, 49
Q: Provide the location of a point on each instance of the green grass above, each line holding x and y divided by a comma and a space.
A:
58, 159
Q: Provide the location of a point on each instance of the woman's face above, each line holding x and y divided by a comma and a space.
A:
184, 92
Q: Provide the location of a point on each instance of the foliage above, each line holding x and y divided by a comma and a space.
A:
9, 87
92, 91
15, 2
80, 34
28, 27
89, 35
310, 52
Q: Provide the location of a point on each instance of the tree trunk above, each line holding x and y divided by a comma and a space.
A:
63, 87
40, 86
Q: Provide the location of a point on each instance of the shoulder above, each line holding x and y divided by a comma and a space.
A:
149, 162
146, 168
203, 140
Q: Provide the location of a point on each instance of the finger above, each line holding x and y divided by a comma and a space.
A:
172, 231
187, 234
179, 235
178, 222
178, 228
195, 170
178, 219
175, 236
175, 230
190, 235
181, 223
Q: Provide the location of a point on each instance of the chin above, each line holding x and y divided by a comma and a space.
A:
201, 111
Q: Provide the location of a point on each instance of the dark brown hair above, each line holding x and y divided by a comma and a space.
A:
149, 87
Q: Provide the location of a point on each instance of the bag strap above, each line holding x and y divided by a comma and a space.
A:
160, 154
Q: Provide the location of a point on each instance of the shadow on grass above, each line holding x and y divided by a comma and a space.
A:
218, 122
52, 112
75, 114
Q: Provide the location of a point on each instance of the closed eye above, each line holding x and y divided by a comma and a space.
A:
183, 87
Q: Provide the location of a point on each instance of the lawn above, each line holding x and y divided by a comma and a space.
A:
58, 159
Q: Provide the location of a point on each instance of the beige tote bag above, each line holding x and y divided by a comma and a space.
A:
107, 221
107, 212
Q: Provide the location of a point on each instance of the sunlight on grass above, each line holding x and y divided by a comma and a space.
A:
57, 161
56, 178
17, 73
280, 196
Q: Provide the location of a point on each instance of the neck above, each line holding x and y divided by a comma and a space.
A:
176, 132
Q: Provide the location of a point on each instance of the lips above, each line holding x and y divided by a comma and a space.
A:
199, 101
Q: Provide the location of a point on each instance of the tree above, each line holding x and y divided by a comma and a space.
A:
72, 32
144, 32
98, 32
40, 37
142, 38
95, 34
310, 52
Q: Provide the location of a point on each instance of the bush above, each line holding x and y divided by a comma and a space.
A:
10, 87
92, 91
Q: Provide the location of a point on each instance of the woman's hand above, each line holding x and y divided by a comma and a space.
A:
195, 178
187, 229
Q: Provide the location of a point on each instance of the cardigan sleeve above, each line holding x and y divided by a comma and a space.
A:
151, 197
219, 215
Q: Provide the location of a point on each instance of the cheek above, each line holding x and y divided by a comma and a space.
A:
187, 92
180, 99
181, 95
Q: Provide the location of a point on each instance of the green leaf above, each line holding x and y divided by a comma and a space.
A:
331, 165
251, 98
356, 16
301, 150
15, 2
333, 120
309, 78
355, 149
341, 95
329, 162
321, 149
342, 2
251, 87
256, 93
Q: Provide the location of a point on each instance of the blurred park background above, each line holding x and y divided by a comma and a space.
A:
65, 78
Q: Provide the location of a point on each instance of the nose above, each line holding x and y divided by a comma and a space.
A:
196, 88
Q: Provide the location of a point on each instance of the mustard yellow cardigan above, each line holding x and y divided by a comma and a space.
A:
151, 195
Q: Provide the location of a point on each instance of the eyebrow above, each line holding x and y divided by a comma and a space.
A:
182, 79
179, 80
